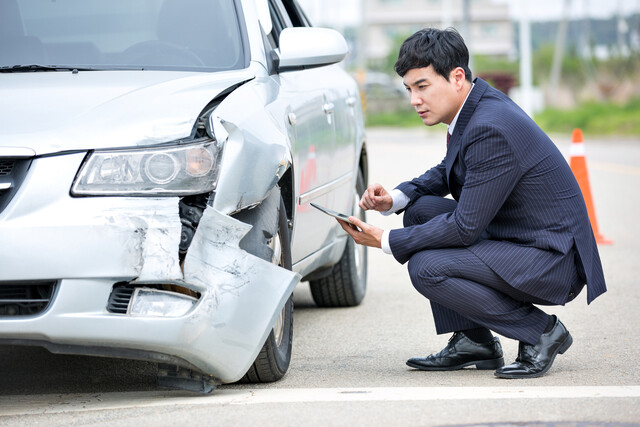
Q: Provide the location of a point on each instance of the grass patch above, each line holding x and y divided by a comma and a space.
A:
596, 118
400, 118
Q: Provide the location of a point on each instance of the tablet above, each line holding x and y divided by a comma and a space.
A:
334, 214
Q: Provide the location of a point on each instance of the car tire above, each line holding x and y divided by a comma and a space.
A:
272, 362
346, 283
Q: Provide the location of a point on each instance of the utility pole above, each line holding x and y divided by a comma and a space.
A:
361, 60
622, 29
526, 81
558, 54
446, 21
466, 27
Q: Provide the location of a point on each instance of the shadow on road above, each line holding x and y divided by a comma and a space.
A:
28, 370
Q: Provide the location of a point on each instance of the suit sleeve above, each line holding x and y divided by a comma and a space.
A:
432, 182
492, 173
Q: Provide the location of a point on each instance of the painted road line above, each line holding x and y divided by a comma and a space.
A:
50, 404
616, 168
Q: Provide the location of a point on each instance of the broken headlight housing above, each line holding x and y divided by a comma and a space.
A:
175, 170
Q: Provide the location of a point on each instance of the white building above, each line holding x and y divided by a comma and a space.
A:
490, 30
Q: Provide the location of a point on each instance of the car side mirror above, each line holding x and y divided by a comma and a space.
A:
309, 47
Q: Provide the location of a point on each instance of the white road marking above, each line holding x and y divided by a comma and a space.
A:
50, 404
616, 168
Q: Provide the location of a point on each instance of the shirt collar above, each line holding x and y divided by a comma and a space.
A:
455, 119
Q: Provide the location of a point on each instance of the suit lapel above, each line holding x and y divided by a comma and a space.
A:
463, 119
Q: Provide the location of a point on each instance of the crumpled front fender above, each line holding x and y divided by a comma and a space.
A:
243, 296
257, 151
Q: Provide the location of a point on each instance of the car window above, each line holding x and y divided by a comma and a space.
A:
277, 26
296, 14
156, 34
280, 19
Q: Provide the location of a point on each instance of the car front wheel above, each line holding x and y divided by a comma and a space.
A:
273, 360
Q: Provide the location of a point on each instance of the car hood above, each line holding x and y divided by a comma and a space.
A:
50, 112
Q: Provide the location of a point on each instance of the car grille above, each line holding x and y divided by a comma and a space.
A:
6, 166
12, 173
25, 298
119, 299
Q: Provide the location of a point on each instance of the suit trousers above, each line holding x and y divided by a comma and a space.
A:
466, 293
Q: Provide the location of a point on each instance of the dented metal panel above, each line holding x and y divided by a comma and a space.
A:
257, 151
243, 293
158, 238
46, 233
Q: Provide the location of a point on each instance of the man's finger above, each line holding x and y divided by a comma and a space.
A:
373, 191
364, 203
357, 222
367, 235
349, 228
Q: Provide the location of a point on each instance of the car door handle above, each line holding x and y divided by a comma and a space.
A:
351, 102
328, 107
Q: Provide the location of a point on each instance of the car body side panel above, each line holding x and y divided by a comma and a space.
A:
349, 136
325, 154
302, 100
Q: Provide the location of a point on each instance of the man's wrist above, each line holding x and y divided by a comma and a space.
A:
400, 201
384, 242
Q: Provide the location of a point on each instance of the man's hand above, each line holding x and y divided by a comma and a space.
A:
376, 198
362, 233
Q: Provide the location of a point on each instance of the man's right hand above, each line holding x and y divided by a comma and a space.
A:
376, 198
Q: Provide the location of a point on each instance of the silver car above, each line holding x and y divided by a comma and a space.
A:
158, 159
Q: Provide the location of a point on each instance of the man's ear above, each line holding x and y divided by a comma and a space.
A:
458, 76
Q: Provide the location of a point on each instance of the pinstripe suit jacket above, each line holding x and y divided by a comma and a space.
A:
519, 208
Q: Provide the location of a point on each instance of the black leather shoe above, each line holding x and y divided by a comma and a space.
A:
535, 360
461, 352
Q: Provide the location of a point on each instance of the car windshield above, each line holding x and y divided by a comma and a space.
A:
43, 35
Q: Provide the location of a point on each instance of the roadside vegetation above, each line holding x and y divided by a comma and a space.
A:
601, 97
595, 118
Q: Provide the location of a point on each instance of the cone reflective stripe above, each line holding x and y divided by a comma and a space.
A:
578, 164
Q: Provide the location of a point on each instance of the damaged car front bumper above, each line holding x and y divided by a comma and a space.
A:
105, 278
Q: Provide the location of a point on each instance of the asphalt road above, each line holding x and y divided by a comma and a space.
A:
349, 366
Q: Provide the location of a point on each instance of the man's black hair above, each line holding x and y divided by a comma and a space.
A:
443, 49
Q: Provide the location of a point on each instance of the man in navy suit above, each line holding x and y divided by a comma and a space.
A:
514, 235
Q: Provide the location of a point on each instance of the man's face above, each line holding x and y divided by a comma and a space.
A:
435, 99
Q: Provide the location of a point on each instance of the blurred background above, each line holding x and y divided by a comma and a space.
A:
568, 63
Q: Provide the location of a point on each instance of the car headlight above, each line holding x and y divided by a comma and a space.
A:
176, 170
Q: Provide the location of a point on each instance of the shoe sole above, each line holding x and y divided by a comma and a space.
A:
564, 347
481, 365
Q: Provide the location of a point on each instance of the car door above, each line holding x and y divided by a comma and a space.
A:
342, 107
344, 99
310, 117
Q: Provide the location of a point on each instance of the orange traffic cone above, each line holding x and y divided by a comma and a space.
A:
578, 165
